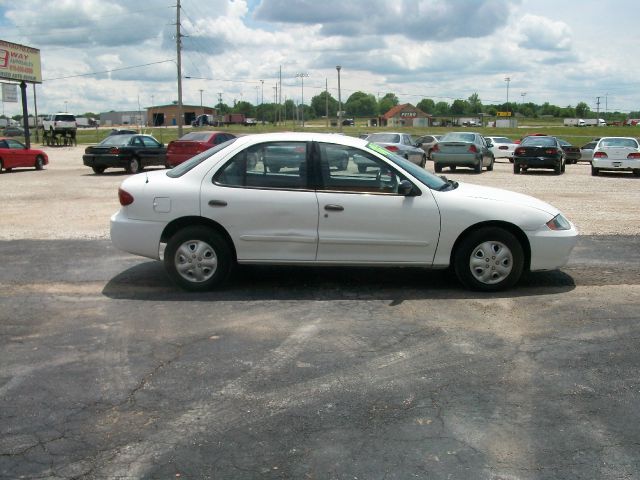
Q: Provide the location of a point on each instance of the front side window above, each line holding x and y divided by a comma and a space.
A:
15, 145
280, 165
349, 169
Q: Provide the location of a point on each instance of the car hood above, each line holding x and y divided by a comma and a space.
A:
499, 195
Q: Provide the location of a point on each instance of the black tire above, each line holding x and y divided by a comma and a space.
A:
437, 168
594, 171
478, 167
636, 172
39, 163
563, 167
98, 170
134, 165
424, 160
490, 166
557, 169
1, 165
452, 168
489, 259
516, 168
198, 258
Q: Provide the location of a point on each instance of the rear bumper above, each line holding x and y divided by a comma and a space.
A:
612, 164
139, 237
455, 159
104, 161
537, 162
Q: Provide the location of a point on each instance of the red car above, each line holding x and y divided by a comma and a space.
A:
14, 154
193, 143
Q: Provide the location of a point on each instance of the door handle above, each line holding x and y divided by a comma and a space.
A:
334, 208
217, 203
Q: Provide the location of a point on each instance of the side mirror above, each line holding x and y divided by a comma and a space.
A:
405, 188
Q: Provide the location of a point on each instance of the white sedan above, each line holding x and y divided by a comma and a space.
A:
224, 206
503, 147
616, 154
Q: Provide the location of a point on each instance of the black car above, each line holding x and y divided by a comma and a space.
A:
13, 132
131, 152
539, 151
571, 153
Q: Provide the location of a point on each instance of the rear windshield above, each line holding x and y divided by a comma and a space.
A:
196, 136
458, 137
384, 138
539, 142
618, 142
65, 118
116, 140
501, 140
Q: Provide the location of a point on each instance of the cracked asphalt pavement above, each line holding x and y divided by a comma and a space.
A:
107, 371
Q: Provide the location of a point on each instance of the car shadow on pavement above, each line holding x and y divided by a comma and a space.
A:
149, 281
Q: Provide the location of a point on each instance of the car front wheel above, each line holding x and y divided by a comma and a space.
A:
197, 258
489, 259
39, 165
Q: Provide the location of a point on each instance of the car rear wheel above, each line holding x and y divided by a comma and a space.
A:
516, 168
134, 166
636, 172
1, 165
98, 170
594, 171
197, 258
39, 164
437, 168
424, 160
478, 167
489, 259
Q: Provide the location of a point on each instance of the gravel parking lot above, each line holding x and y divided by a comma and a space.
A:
67, 200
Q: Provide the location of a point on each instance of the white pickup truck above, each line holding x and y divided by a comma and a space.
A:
60, 123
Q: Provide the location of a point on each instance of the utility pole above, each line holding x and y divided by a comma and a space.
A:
338, 68
507, 79
302, 75
326, 101
597, 110
262, 100
201, 107
179, 63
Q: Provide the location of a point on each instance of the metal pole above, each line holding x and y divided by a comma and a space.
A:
326, 101
25, 114
339, 101
179, 65
35, 108
262, 100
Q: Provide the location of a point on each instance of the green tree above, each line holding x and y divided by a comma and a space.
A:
319, 103
387, 103
459, 107
582, 110
427, 105
474, 104
441, 108
361, 104
246, 108
222, 108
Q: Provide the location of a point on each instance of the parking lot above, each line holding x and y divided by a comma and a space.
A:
108, 371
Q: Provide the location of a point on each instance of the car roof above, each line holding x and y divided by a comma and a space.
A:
300, 137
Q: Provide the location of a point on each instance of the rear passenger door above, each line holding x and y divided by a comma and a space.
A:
261, 197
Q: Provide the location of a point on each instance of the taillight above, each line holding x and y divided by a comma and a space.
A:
125, 197
551, 151
520, 151
114, 150
473, 149
600, 155
634, 155
391, 148
435, 148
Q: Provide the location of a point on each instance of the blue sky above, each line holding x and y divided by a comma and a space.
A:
561, 52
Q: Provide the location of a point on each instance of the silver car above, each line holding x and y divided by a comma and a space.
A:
463, 149
401, 144
426, 143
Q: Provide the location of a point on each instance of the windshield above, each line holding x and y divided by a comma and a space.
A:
430, 180
198, 159
116, 140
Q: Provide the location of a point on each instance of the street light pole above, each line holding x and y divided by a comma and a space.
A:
507, 79
262, 100
302, 75
338, 68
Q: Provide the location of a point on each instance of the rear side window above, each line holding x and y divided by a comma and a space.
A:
280, 165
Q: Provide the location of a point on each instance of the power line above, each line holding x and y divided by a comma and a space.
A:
107, 71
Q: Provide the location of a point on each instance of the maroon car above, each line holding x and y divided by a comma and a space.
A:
193, 143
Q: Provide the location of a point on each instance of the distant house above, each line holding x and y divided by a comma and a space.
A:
405, 115
165, 115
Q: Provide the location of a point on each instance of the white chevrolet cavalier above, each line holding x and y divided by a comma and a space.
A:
305, 199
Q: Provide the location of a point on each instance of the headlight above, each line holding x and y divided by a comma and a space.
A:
559, 223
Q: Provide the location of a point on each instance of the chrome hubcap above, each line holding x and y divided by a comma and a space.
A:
491, 262
196, 261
